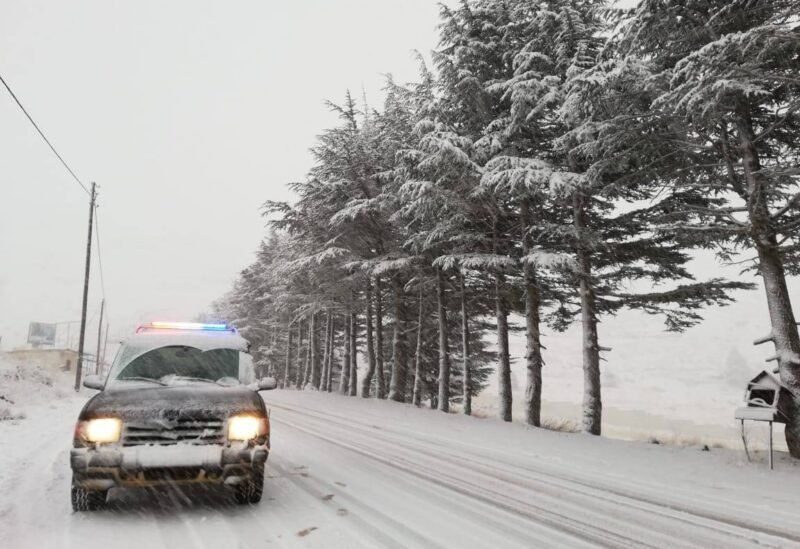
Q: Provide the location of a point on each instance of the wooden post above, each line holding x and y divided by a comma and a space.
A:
770, 446
744, 442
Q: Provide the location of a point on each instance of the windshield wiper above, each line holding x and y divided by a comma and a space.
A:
140, 378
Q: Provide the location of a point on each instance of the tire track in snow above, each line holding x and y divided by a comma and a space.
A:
706, 530
741, 513
623, 487
566, 490
560, 523
375, 490
318, 490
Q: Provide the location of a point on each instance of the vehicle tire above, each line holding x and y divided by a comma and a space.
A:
87, 500
251, 490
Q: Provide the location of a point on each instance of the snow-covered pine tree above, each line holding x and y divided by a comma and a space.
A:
363, 216
438, 178
473, 51
263, 306
725, 78
346, 162
605, 236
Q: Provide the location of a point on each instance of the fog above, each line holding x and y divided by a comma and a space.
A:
188, 115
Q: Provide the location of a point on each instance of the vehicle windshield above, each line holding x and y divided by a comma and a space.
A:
183, 362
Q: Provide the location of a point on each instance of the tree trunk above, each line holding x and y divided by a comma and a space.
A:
273, 367
353, 384
533, 349
331, 356
784, 337
307, 370
465, 348
380, 386
315, 366
504, 366
444, 346
366, 384
299, 363
416, 394
344, 379
397, 384
325, 355
592, 401
285, 383
784, 327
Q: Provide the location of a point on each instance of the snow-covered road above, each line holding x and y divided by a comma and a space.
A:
354, 473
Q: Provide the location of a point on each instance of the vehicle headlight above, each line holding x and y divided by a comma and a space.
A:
246, 427
106, 429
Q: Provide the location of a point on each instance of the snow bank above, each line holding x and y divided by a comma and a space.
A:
25, 385
655, 384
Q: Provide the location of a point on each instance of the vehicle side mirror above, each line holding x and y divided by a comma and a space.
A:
267, 383
93, 381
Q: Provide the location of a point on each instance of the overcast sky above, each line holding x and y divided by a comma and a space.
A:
188, 115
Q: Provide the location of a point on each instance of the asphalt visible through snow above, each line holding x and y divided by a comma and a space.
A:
353, 473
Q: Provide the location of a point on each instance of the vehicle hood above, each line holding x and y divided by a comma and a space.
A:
192, 400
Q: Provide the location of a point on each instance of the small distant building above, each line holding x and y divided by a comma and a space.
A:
50, 359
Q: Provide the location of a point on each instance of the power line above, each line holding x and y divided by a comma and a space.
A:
92, 213
52, 148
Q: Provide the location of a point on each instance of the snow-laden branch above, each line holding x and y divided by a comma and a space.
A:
515, 175
323, 256
490, 262
551, 260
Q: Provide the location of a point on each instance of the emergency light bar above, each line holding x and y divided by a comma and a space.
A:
193, 326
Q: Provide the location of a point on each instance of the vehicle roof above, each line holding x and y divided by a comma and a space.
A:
204, 341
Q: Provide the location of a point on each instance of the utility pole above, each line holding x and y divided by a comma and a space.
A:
105, 345
82, 337
99, 338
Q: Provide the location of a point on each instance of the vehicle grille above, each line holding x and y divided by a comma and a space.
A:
173, 474
186, 431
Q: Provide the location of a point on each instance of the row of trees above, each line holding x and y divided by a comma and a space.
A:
560, 159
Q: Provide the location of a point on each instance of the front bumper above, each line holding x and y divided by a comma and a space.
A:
105, 467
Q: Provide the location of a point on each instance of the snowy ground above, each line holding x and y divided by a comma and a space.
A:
353, 473
680, 388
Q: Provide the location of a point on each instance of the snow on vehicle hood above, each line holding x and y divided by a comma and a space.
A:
135, 400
